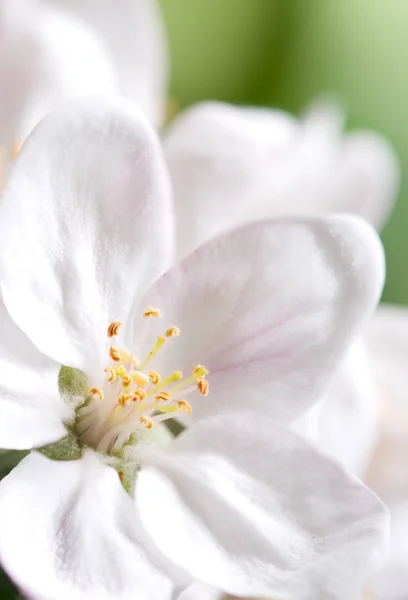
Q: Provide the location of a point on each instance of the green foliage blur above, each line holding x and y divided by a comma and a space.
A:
283, 53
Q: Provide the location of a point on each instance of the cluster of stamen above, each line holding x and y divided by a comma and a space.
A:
133, 396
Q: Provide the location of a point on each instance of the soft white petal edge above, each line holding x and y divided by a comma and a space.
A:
253, 510
69, 531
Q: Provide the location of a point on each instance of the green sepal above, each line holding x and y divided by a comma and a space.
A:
66, 449
72, 383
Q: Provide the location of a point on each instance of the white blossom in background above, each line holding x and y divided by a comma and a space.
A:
54, 50
46, 57
252, 326
133, 34
233, 165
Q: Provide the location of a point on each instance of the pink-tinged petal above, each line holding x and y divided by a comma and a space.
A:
31, 411
344, 422
387, 342
269, 310
253, 510
69, 531
85, 227
134, 36
46, 57
234, 165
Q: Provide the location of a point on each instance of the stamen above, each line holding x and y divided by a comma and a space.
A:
184, 405
114, 328
139, 395
147, 422
173, 332
127, 380
154, 377
111, 374
202, 385
114, 354
164, 397
140, 378
95, 391
152, 312
176, 376
198, 373
160, 341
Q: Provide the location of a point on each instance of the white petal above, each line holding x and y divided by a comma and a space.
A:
344, 422
45, 58
32, 412
70, 532
134, 36
200, 591
85, 226
235, 165
392, 581
253, 510
387, 341
269, 309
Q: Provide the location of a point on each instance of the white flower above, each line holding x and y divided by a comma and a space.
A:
46, 56
232, 165
51, 51
133, 34
237, 501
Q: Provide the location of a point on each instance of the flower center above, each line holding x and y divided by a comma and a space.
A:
135, 397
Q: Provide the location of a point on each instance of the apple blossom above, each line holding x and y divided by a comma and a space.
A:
241, 336
233, 165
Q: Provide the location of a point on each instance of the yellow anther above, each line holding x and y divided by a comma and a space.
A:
164, 397
151, 312
202, 385
140, 378
147, 422
138, 395
184, 405
113, 328
160, 341
95, 391
200, 371
111, 374
173, 332
176, 376
119, 370
114, 354
126, 380
154, 377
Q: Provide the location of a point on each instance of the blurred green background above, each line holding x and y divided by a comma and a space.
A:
285, 52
